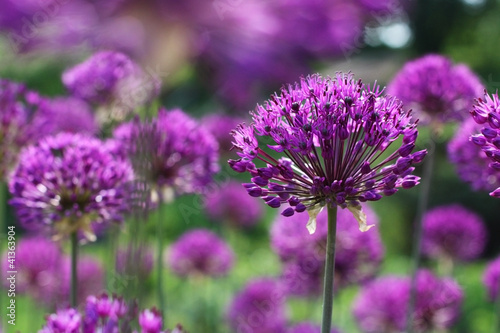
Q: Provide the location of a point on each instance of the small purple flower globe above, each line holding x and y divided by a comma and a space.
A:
230, 203
491, 278
358, 255
37, 263
486, 112
453, 232
150, 321
472, 164
173, 152
63, 321
259, 308
200, 252
380, 306
436, 89
307, 327
68, 182
329, 133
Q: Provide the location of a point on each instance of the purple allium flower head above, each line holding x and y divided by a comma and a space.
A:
308, 327
471, 164
331, 133
220, 126
358, 255
182, 155
141, 260
201, 252
453, 232
259, 308
67, 182
436, 88
491, 278
63, 321
90, 278
486, 112
104, 312
37, 263
380, 307
230, 203
150, 321
63, 114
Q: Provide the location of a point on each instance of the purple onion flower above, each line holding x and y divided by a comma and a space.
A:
357, 255
307, 327
181, 155
436, 89
258, 308
491, 278
68, 182
230, 203
63, 321
380, 307
471, 164
150, 321
200, 252
331, 133
486, 112
37, 263
453, 232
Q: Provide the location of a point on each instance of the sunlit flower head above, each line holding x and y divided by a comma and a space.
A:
326, 144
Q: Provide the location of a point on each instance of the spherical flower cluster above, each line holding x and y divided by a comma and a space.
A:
471, 164
307, 327
259, 308
179, 154
104, 314
200, 252
231, 204
436, 88
331, 133
486, 112
453, 232
141, 261
67, 183
491, 278
380, 307
358, 255
220, 126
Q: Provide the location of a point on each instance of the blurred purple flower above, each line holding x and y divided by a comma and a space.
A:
436, 89
491, 278
453, 232
104, 313
141, 261
37, 263
486, 112
230, 203
150, 321
308, 327
63, 321
471, 164
380, 307
317, 117
180, 155
220, 126
68, 182
259, 308
357, 259
200, 252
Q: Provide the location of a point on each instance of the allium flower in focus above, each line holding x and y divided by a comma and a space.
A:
471, 164
230, 203
453, 232
331, 134
67, 183
380, 306
37, 262
357, 255
258, 308
200, 252
491, 278
181, 156
307, 327
112, 80
486, 112
436, 89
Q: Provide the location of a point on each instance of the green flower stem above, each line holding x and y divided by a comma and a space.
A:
159, 261
423, 202
326, 322
74, 273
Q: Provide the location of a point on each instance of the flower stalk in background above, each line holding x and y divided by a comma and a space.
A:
331, 135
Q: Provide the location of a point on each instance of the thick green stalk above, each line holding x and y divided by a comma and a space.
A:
423, 202
74, 272
326, 322
159, 261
